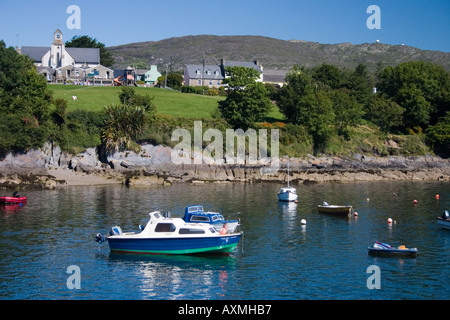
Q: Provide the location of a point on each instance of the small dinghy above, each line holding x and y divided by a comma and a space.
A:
383, 249
444, 220
14, 199
334, 209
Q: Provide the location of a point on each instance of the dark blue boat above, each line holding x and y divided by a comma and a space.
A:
196, 214
383, 249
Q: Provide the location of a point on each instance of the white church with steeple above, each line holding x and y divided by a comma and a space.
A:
60, 64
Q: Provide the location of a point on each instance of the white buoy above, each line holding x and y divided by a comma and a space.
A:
303, 221
355, 214
389, 220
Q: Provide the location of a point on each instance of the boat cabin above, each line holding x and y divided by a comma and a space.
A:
197, 214
170, 225
288, 190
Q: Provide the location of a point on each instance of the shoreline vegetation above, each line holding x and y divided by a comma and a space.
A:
360, 126
50, 168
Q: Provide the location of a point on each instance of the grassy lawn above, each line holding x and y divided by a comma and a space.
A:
168, 102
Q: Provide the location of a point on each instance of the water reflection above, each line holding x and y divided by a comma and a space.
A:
175, 274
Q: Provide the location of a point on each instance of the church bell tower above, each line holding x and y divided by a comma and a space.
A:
57, 49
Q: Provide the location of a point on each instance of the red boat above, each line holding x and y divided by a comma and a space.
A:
12, 200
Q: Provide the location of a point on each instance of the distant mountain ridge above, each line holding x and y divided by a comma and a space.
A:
272, 53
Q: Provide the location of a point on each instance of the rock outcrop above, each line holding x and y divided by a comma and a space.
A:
154, 165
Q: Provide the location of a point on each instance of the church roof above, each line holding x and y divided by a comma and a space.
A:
89, 55
81, 55
35, 53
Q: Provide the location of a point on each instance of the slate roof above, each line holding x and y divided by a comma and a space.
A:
89, 55
81, 55
35, 53
245, 64
207, 71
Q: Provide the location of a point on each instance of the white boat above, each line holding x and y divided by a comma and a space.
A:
444, 220
287, 193
164, 235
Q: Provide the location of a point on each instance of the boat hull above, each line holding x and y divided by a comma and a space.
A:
175, 245
338, 210
392, 252
287, 196
12, 200
444, 223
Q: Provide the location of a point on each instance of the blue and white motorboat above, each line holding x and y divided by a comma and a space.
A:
197, 214
163, 235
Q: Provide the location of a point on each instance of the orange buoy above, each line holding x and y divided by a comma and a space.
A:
437, 197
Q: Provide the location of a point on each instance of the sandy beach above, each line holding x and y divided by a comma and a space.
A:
70, 177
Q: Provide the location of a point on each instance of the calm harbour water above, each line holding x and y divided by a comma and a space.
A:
278, 257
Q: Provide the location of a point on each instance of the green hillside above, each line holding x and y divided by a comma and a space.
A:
168, 102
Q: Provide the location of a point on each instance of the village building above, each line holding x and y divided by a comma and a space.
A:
212, 76
61, 64
148, 77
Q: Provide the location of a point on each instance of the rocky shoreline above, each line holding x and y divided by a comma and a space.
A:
49, 168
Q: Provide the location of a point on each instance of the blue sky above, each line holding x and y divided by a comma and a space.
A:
423, 24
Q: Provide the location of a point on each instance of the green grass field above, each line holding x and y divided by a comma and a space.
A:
168, 102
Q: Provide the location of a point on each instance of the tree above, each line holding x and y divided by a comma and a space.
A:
106, 58
123, 124
303, 101
329, 75
247, 101
347, 110
422, 88
384, 112
128, 96
438, 136
360, 83
291, 96
174, 80
24, 102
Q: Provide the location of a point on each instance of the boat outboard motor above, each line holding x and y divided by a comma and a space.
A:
100, 238
325, 203
445, 215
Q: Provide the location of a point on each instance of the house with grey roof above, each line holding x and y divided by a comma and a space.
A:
60, 64
203, 75
213, 75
